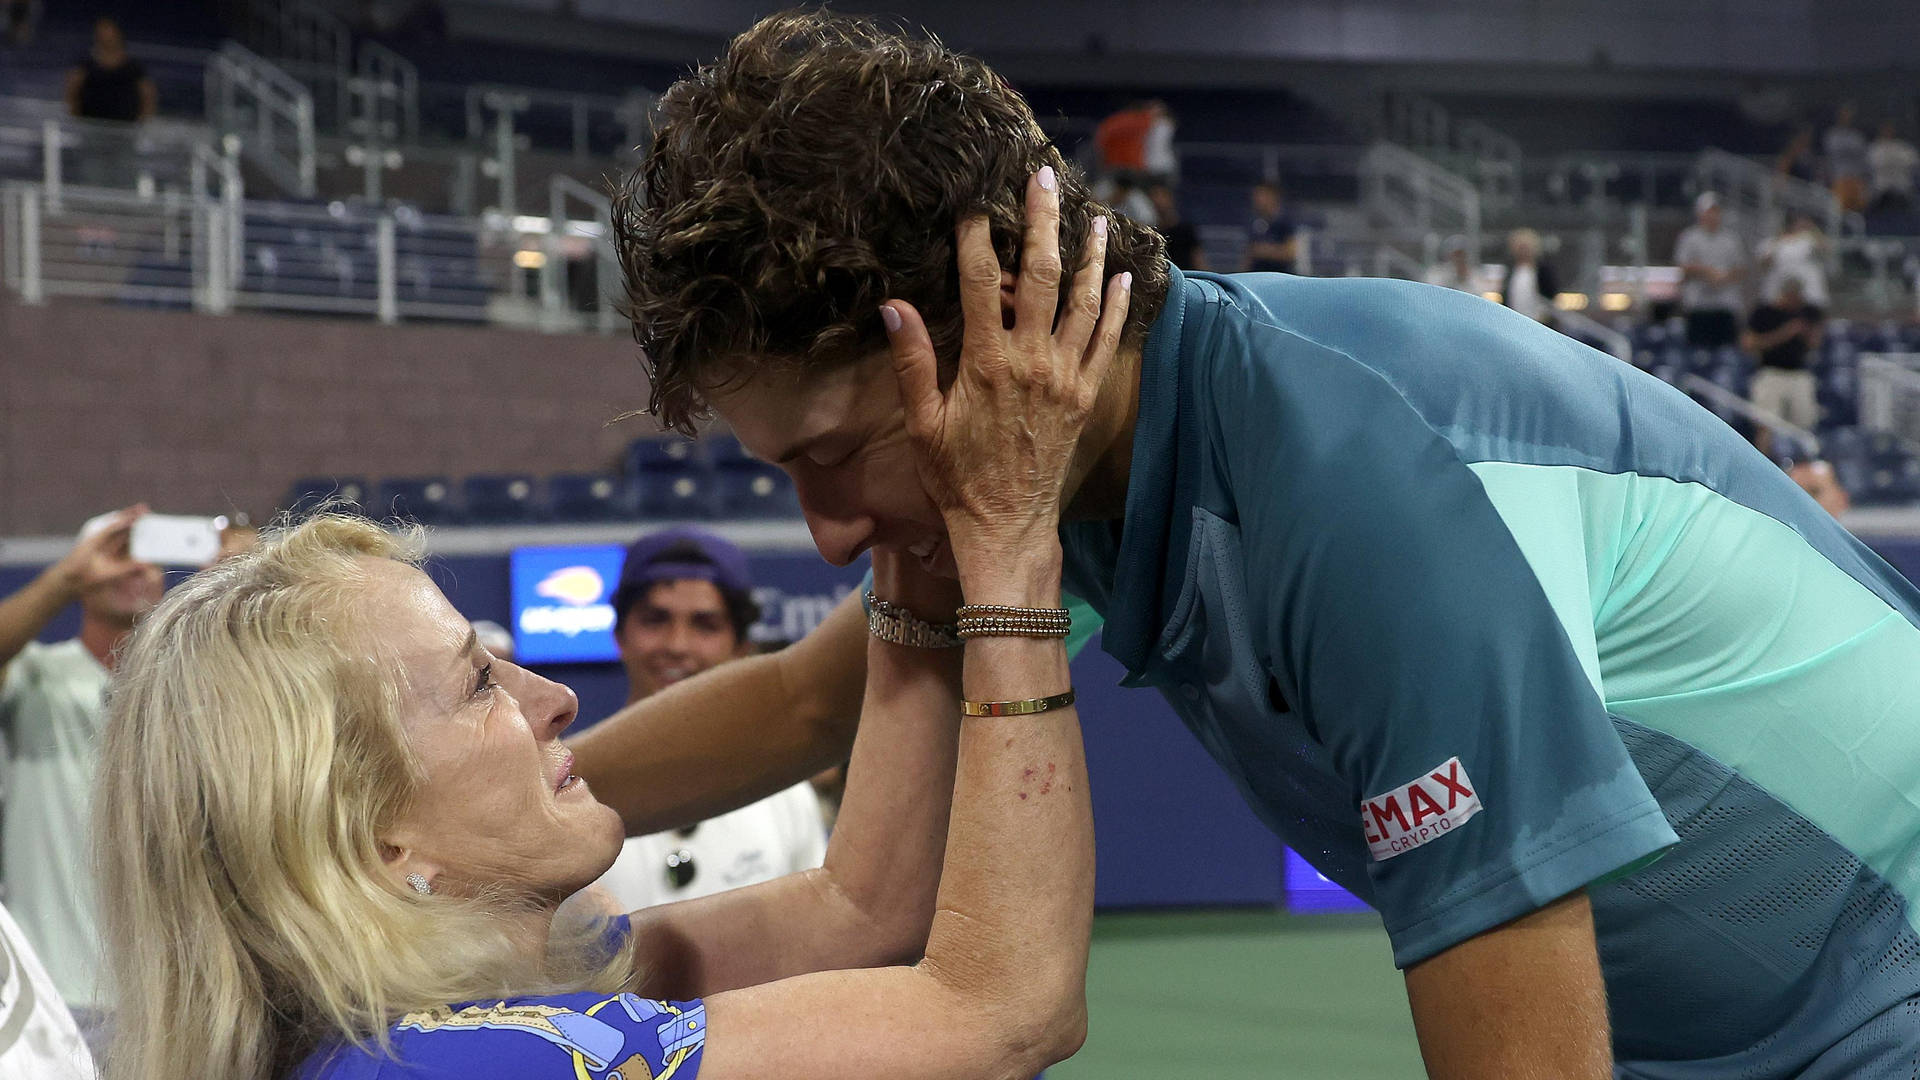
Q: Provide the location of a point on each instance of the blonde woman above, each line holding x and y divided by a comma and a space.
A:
335, 832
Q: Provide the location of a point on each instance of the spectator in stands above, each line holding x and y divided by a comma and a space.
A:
1122, 139
1798, 159
1273, 240
1712, 262
1162, 164
335, 836
50, 715
1183, 240
1817, 479
1530, 284
1457, 271
109, 84
1782, 335
685, 605
1124, 195
1893, 162
21, 16
1800, 252
1845, 147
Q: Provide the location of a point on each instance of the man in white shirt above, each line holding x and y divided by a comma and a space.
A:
1713, 264
1892, 161
51, 714
685, 604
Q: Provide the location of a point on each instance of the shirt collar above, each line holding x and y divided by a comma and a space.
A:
1154, 529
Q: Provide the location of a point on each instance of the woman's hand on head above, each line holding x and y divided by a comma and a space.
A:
994, 449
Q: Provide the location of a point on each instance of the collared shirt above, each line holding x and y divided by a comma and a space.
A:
779, 835
1476, 616
1718, 250
51, 713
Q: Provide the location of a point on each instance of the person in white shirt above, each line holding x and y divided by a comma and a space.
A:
1530, 285
1892, 162
51, 713
1457, 271
1799, 253
685, 604
1713, 265
38, 1037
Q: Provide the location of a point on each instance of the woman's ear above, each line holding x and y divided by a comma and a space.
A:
406, 864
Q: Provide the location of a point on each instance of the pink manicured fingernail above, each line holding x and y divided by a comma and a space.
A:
1046, 177
1099, 226
891, 318
1126, 281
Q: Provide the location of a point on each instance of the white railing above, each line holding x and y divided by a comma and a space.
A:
562, 232
270, 111
1723, 400
1401, 190
1428, 127
1759, 198
388, 87
101, 243
304, 36
631, 111
1890, 394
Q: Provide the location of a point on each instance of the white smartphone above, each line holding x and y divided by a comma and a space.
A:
174, 540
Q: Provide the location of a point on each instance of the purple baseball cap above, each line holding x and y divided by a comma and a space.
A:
680, 555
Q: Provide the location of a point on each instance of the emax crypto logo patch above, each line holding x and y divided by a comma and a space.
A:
1419, 811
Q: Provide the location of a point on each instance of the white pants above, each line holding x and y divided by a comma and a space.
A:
1788, 395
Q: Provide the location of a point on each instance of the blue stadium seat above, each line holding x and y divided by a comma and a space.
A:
587, 497
427, 500
307, 493
758, 491
681, 493
726, 452
500, 500
669, 453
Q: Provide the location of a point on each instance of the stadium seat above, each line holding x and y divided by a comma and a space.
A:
500, 500
757, 491
726, 452
346, 493
587, 497
669, 453
427, 500
679, 493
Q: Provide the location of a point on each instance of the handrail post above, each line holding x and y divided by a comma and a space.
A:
32, 287
384, 270
51, 141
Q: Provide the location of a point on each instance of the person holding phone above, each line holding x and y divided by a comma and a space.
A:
50, 716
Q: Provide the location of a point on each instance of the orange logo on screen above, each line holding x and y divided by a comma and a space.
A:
575, 585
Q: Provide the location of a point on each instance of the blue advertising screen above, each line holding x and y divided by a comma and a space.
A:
563, 603
1309, 891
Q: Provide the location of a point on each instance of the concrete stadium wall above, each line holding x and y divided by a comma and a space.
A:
102, 406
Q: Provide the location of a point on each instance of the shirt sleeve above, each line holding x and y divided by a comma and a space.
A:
556, 1038
1400, 615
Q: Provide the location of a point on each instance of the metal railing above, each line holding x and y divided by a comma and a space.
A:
1425, 126
596, 230
301, 34
171, 250
585, 113
1722, 400
1760, 198
1403, 191
387, 86
1890, 394
269, 110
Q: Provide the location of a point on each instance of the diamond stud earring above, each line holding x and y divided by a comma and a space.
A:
420, 883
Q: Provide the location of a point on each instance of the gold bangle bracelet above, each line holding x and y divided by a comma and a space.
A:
1022, 707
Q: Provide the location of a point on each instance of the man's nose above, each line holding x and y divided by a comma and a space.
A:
839, 539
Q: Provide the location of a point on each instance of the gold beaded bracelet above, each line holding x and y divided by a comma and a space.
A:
1004, 620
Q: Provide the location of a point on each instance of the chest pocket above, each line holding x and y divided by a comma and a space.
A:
1209, 667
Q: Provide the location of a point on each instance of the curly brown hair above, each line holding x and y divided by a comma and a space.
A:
816, 170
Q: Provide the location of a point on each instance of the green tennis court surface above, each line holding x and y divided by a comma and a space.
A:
1239, 995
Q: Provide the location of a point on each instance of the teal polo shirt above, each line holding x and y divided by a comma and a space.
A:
1476, 616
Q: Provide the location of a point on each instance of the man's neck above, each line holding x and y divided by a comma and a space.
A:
1103, 461
102, 638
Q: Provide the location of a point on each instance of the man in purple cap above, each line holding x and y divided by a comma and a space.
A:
685, 604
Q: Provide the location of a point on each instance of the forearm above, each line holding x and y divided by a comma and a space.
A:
732, 735
1016, 897
872, 902
27, 612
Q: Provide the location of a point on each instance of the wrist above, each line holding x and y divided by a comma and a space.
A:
1027, 575
62, 583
